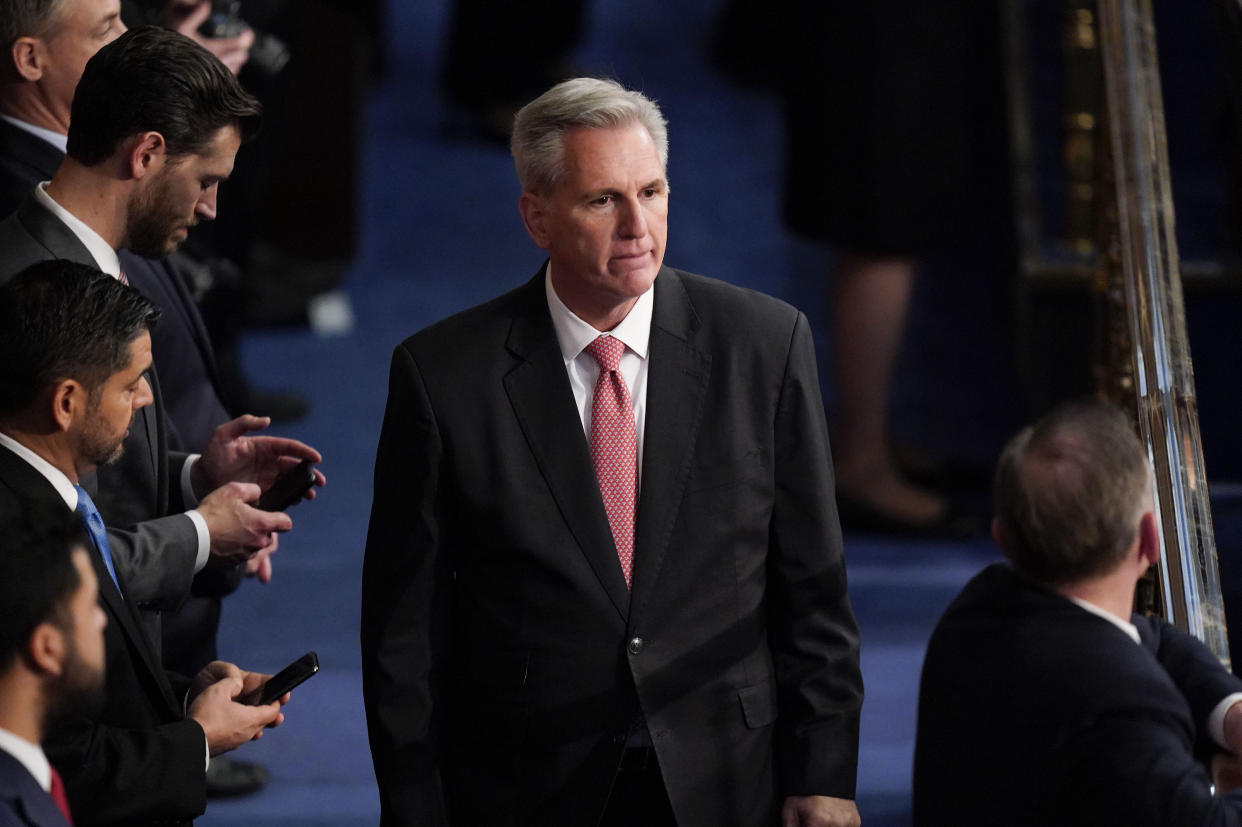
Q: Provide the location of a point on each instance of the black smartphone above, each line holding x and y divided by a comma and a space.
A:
288, 487
283, 681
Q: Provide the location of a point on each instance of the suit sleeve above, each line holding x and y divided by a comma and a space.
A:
406, 586
1196, 672
155, 560
814, 637
176, 462
1132, 768
126, 776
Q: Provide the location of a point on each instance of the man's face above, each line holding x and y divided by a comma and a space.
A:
605, 225
79, 687
84, 27
111, 408
179, 195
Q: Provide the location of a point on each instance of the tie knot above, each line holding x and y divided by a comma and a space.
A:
607, 351
86, 506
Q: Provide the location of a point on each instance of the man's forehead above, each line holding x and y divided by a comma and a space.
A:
628, 147
82, 12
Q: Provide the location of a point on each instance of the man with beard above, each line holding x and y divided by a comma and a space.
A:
145, 158
51, 654
74, 346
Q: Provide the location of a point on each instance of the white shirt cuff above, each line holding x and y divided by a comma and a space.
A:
1216, 721
187, 488
204, 539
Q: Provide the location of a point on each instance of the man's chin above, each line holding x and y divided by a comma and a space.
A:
113, 456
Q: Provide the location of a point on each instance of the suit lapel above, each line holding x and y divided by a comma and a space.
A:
538, 390
29, 800
676, 385
122, 615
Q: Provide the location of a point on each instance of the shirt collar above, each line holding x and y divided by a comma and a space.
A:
30, 756
57, 139
573, 334
100, 250
53, 474
1129, 628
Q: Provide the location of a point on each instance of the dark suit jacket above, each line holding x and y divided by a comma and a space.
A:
25, 160
23, 803
504, 660
139, 760
141, 492
1033, 711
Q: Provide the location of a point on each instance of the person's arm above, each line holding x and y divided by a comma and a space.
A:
130, 776
156, 560
1133, 767
1201, 679
813, 634
406, 585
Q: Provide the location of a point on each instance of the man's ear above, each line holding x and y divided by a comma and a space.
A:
69, 399
534, 216
29, 55
45, 649
1149, 538
147, 154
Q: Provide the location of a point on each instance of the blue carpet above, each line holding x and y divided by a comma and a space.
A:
443, 233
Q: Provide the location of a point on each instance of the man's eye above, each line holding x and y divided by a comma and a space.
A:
602, 201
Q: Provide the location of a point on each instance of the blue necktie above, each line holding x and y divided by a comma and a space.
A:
95, 527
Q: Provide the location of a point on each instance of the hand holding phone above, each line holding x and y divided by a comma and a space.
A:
288, 488
283, 681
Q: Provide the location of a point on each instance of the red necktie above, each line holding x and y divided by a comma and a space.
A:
120, 276
58, 796
614, 447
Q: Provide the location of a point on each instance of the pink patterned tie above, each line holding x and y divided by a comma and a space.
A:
614, 447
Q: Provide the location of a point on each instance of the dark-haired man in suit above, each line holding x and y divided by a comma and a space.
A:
604, 581
51, 653
74, 348
1044, 698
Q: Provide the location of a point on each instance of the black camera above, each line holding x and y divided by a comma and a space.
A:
268, 54
225, 21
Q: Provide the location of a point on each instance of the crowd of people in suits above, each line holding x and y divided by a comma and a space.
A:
604, 578
116, 194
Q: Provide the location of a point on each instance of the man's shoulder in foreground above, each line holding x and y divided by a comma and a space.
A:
1021, 691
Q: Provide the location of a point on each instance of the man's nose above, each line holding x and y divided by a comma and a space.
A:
144, 396
206, 206
633, 220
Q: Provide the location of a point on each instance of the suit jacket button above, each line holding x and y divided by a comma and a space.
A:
636, 645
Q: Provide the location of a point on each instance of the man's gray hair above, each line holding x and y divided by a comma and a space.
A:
27, 18
1069, 493
591, 103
